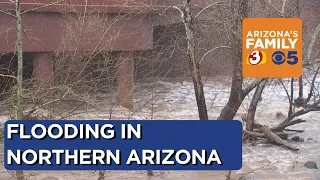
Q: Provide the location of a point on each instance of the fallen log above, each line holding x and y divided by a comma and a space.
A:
282, 135
276, 139
294, 130
255, 134
281, 127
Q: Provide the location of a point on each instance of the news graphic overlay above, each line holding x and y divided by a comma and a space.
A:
272, 47
123, 145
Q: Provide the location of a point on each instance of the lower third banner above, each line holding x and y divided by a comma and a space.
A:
123, 145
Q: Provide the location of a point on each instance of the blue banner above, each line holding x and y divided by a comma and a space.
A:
123, 145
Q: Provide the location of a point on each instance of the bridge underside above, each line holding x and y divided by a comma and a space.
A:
50, 32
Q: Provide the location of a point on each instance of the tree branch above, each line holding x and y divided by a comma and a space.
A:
283, 6
7, 13
207, 7
251, 86
310, 108
278, 11
289, 98
312, 85
180, 10
44, 6
4, 75
284, 125
208, 52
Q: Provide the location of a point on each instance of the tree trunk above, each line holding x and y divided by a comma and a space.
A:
291, 98
236, 95
19, 108
235, 99
193, 64
20, 62
253, 105
300, 87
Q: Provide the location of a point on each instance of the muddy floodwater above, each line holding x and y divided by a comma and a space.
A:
174, 99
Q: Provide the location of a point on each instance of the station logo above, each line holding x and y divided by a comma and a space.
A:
272, 47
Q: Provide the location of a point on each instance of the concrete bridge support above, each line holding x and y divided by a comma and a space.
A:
43, 75
125, 80
43, 69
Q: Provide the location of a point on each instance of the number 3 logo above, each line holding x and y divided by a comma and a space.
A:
257, 57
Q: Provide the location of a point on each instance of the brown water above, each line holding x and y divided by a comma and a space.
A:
173, 100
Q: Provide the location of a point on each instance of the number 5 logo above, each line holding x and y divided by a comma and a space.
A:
292, 59
279, 58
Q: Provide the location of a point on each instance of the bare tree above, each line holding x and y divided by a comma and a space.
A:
19, 105
239, 8
188, 21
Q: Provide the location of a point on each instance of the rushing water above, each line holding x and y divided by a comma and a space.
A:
175, 100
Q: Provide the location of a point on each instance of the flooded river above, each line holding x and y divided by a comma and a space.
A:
175, 100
